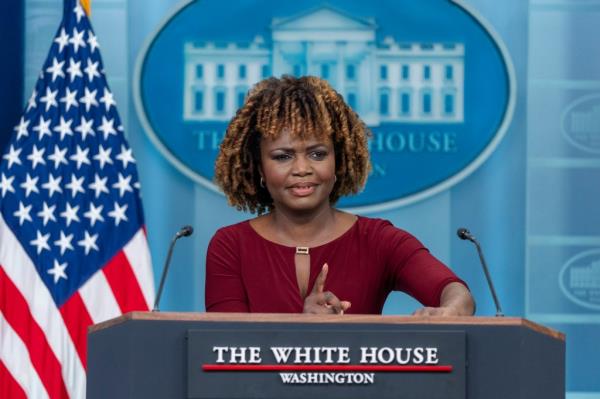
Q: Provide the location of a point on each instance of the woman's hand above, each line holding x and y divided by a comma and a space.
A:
319, 302
456, 300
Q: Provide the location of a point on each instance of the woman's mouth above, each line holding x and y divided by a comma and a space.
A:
302, 189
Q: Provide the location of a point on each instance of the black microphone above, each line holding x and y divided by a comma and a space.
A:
465, 234
185, 231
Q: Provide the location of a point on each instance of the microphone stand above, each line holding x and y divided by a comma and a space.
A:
464, 234
185, 231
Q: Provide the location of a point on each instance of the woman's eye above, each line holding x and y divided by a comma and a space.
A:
281, 157
318, 154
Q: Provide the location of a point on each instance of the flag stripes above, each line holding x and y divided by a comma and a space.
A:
138, 256
18, 316
21, 383
77, 318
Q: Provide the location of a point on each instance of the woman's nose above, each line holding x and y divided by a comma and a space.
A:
301, 166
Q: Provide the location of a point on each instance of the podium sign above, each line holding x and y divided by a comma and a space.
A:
154, 355
351, 362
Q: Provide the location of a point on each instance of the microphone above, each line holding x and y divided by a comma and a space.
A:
185, 231
465, 234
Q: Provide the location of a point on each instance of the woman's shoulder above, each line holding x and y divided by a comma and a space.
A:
379, 228
373, 224
232, 231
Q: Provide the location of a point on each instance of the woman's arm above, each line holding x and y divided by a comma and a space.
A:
224, 289
456, 300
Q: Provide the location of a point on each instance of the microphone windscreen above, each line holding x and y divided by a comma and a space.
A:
463, 233
186, 231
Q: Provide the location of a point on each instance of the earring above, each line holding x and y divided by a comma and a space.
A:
335, 178
262, 182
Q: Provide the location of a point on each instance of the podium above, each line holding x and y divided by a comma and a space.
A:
226, 355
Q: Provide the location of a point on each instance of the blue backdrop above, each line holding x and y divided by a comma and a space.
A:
533, 204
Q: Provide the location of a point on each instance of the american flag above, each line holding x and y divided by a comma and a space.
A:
73, 249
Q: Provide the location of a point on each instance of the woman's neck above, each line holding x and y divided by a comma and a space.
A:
304, 229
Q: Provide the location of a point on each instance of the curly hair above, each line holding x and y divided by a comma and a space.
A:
306, 106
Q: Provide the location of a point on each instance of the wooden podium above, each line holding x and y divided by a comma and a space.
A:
223, 355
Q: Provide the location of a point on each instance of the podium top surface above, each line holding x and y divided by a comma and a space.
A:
327, 319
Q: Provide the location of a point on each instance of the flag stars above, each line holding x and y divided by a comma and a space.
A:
23, 213
30, 185
62, 40
103, 156
99, 185
64, 128
31, 102
118, 213
43, 128
21, 128
108, 99
107, 127
58, 271
53, 185
47, 213
58, 156
64, 243
41, 242
92, 41
125, 156
69, 99
37, 156
94, 214
49, 98
56, 69
89, 99
78, 10
91, 70
80, 157
77, 39
6, 184
123, 185
88, 242
85, 128
76, 185
13, 156
74, 70
70, 214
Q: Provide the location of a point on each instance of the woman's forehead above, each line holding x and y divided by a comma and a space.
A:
286, 137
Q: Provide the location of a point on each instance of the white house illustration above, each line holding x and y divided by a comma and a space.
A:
384, 82
586, 122
586, 277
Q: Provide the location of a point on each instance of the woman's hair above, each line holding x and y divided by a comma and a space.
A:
307, 107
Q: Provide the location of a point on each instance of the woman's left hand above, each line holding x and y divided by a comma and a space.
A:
441, 311
456, 300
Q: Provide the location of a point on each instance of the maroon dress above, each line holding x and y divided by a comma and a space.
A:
248, 273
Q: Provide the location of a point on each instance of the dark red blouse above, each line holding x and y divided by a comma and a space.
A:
247, 273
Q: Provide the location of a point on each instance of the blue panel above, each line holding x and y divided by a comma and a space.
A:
564, 201
559, 37
564, 122
553, 286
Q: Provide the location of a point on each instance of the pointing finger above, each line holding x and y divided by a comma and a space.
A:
320, 281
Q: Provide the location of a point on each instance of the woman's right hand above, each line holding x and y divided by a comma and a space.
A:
324, 302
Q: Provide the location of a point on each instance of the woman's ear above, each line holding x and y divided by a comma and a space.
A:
262, 179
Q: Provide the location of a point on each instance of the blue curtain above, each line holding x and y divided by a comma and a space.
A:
11, 72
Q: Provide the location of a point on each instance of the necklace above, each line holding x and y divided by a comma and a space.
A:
301, 250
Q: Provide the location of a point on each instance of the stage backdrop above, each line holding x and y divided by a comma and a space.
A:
496, 104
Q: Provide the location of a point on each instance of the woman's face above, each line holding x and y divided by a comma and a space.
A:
299, 173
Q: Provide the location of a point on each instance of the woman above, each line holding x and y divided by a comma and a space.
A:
292, 150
